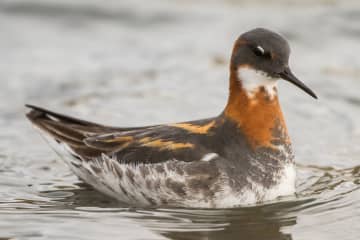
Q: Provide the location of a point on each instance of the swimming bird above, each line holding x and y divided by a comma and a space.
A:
242, 156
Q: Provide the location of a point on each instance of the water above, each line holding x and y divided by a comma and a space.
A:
129, 63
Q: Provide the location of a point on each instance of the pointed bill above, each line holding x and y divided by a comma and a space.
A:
290, 77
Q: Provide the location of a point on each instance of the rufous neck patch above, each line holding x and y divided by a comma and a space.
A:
259, 117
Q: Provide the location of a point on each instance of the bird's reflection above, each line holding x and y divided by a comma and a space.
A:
257, 222
261, 222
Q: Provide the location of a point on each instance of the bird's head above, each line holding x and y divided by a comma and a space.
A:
260, 58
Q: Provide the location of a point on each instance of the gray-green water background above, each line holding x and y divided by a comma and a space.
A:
144, 62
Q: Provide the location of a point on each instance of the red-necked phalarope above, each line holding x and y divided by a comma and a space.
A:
242, 156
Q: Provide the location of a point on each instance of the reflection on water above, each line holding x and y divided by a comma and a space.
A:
256, 222
266, 222
129, 63
269, 221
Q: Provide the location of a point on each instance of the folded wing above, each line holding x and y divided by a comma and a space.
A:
89, 140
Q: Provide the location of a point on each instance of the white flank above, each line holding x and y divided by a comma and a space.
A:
252, 80
249, 196
286, 185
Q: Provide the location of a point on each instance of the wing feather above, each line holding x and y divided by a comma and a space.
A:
151, 144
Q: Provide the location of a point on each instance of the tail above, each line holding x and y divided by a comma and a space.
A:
67, 130
72, 132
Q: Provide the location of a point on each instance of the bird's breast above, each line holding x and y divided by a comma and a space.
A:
259, 118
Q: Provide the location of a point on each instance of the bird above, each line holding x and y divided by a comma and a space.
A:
243, 156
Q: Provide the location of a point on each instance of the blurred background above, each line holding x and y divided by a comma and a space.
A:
134, 62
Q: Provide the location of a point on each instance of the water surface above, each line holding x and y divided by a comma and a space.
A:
129, 63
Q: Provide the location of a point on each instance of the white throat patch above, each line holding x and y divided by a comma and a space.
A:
252, 80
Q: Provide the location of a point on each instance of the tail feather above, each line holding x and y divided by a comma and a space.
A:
75, 133
63, 130
41, 112
76, 122
67, 130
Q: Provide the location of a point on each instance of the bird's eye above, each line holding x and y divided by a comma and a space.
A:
260, 52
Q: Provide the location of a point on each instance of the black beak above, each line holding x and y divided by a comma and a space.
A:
290, 77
